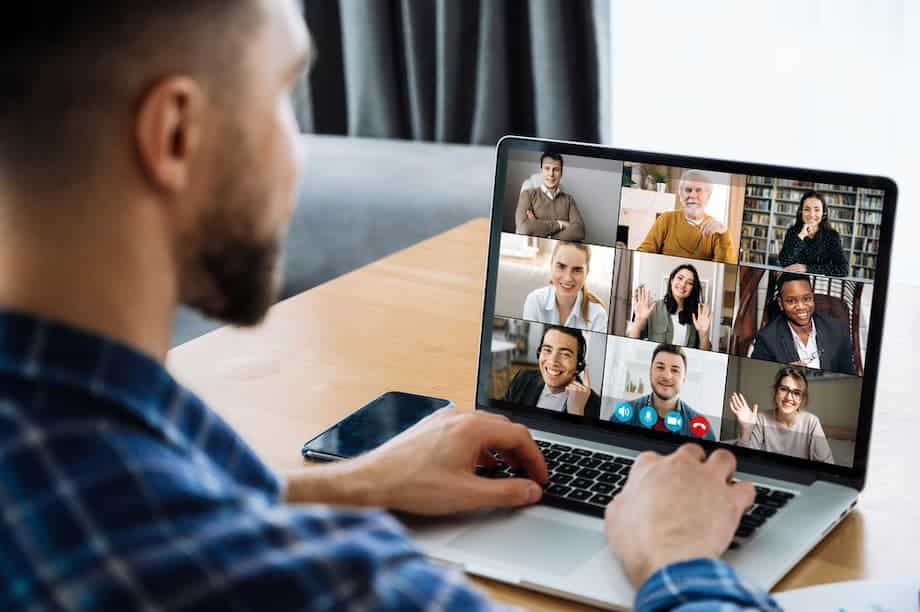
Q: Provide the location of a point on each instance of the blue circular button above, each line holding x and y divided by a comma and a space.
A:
623, 412
648, 416
674, 421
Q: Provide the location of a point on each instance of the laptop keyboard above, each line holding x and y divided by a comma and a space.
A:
586, 481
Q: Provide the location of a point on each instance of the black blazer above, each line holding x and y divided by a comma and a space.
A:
774, 343
822, 254
527, 385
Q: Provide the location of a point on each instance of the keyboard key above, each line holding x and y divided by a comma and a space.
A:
782, 495
551, 465
542, 443
601, 487
581, 483
772, 502
482, 470
560, 478
552, 454
610, 479
734, 545
588, 473
763, 511
583, 452
588, 462
609, 466
624, 460
579, 495
744, 532
558, 490
625, 470
600, 500
603, 456
759, 489
569, 458
561, 447
567, 468
752, 521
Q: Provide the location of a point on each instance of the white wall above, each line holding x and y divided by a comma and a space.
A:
819, 83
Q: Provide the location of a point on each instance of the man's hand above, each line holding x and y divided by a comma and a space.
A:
530, 215
562, 224
579, 393
428, 469
796, 267
711, 226
675, 508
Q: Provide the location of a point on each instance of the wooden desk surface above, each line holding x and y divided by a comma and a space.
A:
411, 322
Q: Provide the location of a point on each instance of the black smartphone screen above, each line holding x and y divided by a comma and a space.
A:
372, 425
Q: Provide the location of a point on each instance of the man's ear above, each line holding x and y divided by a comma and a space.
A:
168, 132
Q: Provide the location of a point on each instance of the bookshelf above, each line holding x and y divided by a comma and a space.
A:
770, 205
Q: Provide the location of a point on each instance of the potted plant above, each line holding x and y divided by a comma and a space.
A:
661, 182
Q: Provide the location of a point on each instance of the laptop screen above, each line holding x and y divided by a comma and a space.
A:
715, 301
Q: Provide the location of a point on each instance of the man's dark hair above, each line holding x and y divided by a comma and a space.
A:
63, 68
553, 156
672, 349
788, 277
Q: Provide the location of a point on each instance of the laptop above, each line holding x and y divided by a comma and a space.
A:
594, 277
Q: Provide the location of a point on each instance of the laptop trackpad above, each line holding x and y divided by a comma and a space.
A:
524, 540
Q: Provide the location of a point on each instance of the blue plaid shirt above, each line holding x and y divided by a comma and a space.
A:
121, 490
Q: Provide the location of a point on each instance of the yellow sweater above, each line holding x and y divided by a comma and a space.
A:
672, 234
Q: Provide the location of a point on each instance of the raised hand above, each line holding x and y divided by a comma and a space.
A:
644, 305
702, 319
745, 415
579, 393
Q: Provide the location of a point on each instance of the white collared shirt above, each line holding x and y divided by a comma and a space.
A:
808, 351
540, 306
550, 194
552, 401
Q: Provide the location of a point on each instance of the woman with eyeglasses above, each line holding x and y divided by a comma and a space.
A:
787, 429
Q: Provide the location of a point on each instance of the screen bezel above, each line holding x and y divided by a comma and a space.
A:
625, 435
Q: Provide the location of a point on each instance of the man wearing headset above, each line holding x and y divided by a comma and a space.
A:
662, 409
557, 385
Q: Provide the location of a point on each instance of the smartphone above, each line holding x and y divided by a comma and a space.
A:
371, 425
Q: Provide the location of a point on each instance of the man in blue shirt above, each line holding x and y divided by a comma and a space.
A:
662, 409
148, 157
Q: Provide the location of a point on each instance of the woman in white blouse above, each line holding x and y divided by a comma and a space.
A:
566, 300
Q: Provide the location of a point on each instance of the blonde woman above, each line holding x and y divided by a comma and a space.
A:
566, 300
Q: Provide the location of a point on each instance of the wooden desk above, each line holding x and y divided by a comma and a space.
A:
411, 322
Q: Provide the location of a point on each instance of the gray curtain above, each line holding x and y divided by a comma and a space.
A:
467, 71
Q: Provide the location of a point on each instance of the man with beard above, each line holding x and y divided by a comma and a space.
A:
148, 157
689, 231
800, 336
662, 409
547, 211
561, 384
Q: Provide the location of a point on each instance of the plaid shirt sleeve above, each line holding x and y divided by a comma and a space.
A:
700, 585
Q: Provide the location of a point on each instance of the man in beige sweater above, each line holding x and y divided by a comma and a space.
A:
547, 211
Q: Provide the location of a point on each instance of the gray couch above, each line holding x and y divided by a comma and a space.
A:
361, 199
